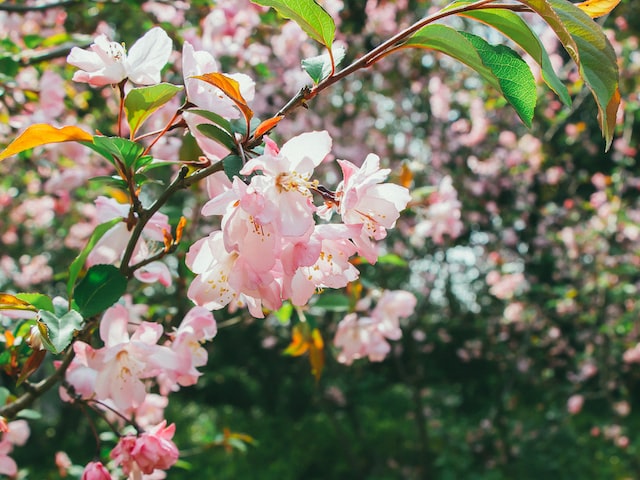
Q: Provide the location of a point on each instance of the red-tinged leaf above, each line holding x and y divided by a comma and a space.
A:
10, 302
231, 88
597, 8
43, 134
31, 365
267, 125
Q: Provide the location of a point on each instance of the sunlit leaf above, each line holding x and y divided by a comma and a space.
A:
311, 17
514, 75
141, 102
231, 88
267, 125
38, 300
589, 47
126, 151
11, 302
514, 27
500, 66
101, 287
597, 8
43, 134
320, 67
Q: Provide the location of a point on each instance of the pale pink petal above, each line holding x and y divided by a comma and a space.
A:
148, 56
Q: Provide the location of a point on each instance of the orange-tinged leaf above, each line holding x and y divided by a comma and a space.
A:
180, 228
9, 302
612, 109
316, 354
299, 345
597, 8
42, 134
406, 176
231, 88
267, 125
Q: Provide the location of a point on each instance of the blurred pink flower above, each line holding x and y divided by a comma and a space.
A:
152, 450
574, 404
95, 471
359, 337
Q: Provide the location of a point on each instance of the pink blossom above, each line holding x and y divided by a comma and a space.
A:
287, 173
152, 450
16, 433
364, 199
574, 404
505, 286
108, 62
63, 462
632, 355
367, 336
197, 327
151, 411
442, 216
95, 471
115, 372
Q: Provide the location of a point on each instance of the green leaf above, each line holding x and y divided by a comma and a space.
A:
4, 396
78, 262
516, 80
232, 165
29, 414
311, 17
126, 151
32, 41
60, 330
283, 314
333, 302
215, 133
320, 67
514, 27
589, 47
101, 287
213, 117
500, 66
38, 300
141, 102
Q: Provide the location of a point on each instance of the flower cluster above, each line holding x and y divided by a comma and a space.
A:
270, 247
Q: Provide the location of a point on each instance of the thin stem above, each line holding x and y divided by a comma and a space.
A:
180, 182
121, 109
167, 127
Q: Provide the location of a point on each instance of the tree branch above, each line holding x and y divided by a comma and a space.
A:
37, 8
